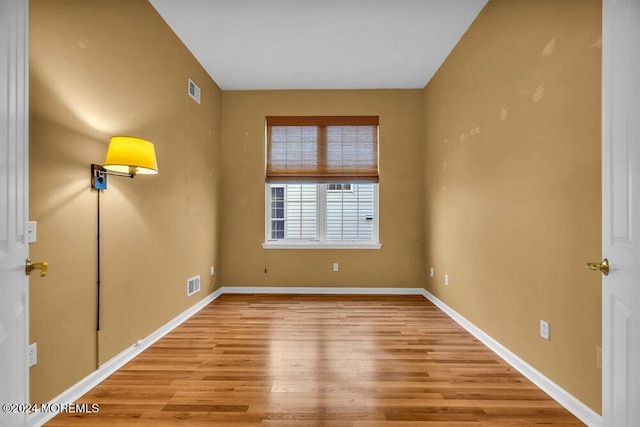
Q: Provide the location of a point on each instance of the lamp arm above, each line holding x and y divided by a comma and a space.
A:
126, 175
99, 176
101, 170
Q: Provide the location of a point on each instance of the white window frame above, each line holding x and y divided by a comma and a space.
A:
321, 242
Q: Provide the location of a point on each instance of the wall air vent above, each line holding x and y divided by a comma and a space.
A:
193, 285
194, 91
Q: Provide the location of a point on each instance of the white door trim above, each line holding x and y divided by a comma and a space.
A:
14, 211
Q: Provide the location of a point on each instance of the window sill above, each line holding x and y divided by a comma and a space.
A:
350, 245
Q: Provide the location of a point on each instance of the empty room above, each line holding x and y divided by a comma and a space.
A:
342, 213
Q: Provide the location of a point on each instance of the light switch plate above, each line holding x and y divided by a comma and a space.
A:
32, 229
32, 355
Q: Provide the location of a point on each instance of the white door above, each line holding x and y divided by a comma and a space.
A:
14, 249
621, 213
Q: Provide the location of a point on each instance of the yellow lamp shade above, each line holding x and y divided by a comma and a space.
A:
130, 155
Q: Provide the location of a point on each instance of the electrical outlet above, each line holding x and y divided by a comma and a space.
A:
431, 272
32, 356
213, 270
335, 266
446, 279
544, 330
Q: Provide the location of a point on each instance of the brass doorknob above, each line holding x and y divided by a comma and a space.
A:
602, 266
30, 266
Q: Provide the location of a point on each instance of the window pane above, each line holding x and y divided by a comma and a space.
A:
277, 202
301, 211
350, 213
338, 187
277, 193
277, 229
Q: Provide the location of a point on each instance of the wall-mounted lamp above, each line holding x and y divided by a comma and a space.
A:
126, 156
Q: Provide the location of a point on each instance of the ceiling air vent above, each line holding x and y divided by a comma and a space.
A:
193, 285
194, 91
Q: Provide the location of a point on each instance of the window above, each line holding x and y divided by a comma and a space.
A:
338, 187
313, 213
321, 182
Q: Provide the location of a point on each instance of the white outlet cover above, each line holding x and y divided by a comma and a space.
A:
431, 272
446, 279
335, 266
213, 270
544, 330
33, 354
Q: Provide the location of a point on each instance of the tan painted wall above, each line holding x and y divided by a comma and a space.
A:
483, 175
397, 264
512, 183
102, 68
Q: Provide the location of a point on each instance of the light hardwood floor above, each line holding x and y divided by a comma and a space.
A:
312, 360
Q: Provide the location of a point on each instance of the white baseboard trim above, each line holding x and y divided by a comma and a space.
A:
71, 395
560, 395
319, 290
75, 392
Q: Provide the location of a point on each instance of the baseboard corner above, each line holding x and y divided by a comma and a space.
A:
560, 395
83, 386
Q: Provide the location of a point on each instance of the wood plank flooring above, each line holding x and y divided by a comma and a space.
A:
318, 360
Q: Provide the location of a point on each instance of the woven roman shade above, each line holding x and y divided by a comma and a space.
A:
322, 149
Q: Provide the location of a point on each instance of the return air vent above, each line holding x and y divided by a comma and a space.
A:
194, 91
193, 285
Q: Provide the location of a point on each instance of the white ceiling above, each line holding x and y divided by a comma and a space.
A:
320, 44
